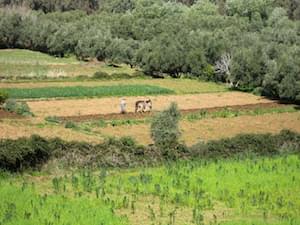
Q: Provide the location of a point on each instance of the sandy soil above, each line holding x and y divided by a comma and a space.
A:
111, 105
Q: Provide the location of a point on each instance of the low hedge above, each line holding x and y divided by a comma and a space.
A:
34, 152
244, 145
24, 153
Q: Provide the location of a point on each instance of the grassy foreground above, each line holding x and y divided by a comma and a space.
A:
251, 191
84, 91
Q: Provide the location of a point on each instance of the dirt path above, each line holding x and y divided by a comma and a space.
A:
83, 107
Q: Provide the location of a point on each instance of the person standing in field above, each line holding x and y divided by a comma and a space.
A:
123, 106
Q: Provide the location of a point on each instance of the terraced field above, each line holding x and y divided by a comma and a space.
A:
234, 191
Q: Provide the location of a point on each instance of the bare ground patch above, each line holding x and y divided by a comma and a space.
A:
11, 115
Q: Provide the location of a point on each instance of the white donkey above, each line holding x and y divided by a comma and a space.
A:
143, 106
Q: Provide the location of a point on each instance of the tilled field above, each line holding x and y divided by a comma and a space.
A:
102, 106
132, 115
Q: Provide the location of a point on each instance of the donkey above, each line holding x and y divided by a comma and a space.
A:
143, 106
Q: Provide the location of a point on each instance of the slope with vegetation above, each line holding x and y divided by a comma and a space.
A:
251, 45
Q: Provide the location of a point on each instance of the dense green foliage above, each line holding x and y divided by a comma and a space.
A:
249, 144
165, 131
3, 97
24, 153
251, 45
84, 91
20, 108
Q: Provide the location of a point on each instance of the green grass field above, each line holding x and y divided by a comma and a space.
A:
83, 91
25, 64
262, 191
22, 205
22, 56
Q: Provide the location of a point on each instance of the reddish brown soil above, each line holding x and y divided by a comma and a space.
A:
131, 115
8, 115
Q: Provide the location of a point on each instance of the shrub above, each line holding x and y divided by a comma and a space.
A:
21, 108
33, 152
24, 153
248, 144
138, 74
10, 105
101, 75
121, 76
3, 97
70, 125
165, 132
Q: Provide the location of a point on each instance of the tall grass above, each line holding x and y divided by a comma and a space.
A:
84, 91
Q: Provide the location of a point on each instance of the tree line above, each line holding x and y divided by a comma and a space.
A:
251, 45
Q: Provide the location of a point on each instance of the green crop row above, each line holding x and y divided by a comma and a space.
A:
82, 91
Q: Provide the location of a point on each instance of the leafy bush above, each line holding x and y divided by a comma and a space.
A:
10, 105
101, 75
121, 76
248, 144
3, 97
33, 152
21, 108
24, 153
165, 132
138, 74
70, 125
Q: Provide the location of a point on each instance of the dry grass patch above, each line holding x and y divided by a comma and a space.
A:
216, 128
14, 129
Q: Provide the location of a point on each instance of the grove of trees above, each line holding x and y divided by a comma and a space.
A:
252, 45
